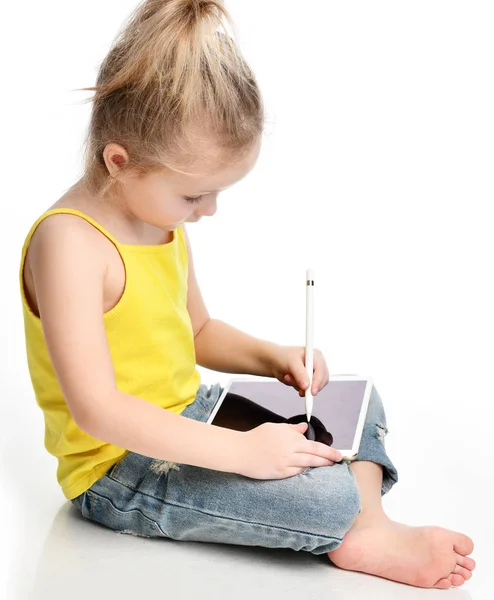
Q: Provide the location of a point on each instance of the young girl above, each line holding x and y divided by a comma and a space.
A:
115, 325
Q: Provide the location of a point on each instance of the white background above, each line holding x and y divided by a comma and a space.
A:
376, 172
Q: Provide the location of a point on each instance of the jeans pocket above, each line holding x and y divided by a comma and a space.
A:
100, 509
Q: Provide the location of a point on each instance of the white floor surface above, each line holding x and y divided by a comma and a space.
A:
55, 554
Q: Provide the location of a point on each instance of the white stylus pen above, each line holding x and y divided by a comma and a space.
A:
309, 341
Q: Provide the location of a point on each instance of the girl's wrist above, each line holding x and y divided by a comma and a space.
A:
270, 352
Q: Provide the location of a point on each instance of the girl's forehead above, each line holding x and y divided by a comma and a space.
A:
208, 177
204, 182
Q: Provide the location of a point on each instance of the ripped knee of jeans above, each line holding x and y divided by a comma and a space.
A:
382, 430
163, 466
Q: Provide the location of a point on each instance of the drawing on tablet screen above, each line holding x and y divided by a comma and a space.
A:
241, 413
337, 408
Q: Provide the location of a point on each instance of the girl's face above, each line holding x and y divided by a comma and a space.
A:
168, 199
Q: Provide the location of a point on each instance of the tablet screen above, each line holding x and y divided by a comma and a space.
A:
248, 404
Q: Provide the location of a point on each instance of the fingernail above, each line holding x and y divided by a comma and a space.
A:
316, 389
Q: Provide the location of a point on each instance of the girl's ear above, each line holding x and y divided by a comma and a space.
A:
115, 157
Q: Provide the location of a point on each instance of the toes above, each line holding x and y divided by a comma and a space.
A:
443, 584
455, 579
463, 544
465, 573
465, 561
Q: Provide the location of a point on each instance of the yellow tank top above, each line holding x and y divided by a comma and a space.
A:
152, 347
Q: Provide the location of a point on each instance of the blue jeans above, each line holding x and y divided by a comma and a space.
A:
311, 511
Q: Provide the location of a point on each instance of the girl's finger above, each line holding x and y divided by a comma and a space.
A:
288, 379
317, 384
302, 379
292, 379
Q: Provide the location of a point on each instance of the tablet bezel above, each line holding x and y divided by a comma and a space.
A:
348, 454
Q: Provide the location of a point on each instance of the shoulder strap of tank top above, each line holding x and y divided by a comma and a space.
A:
78, 213
46, 214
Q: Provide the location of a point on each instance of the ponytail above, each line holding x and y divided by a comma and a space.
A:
172, 86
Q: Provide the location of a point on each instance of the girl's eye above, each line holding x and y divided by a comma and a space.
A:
192, 198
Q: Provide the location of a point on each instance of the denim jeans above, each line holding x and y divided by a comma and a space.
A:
310, 511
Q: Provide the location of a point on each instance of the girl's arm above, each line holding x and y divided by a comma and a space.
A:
221, 347
65, 258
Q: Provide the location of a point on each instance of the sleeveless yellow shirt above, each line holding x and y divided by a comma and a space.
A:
152, 348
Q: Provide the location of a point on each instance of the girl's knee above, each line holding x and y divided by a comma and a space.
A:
375, 410
375, 398
339, 502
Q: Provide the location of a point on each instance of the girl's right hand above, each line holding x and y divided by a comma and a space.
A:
280, 450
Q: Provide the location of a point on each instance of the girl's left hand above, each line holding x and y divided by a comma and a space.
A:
288, 366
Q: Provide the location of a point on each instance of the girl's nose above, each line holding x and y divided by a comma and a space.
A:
208, 207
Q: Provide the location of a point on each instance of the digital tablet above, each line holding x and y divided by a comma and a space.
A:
338, 414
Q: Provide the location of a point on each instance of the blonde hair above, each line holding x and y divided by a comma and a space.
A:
170, 89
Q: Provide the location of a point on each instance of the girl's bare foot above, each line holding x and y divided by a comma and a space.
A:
428, 557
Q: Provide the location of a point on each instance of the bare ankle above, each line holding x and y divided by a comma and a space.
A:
371, 516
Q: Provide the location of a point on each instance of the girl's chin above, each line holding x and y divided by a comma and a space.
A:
176, 225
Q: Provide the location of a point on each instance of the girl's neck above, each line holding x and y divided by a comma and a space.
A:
112, 215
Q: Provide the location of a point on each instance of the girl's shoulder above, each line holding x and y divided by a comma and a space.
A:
64, 219
76, 213
67, 236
